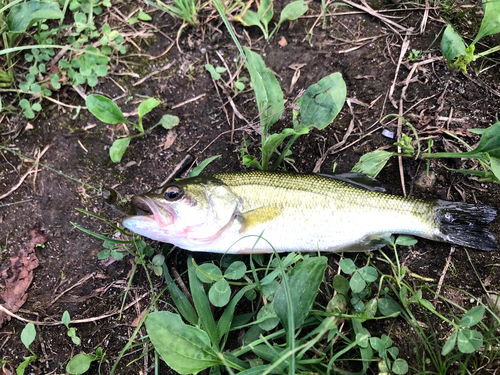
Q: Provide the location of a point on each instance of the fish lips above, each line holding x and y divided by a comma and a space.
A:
147, 208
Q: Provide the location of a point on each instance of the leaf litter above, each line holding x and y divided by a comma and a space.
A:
17, 274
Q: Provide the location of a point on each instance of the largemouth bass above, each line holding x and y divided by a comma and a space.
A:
256, 211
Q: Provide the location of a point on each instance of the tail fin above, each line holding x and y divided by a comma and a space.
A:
466, 224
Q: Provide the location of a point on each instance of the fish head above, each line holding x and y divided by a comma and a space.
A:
190, 214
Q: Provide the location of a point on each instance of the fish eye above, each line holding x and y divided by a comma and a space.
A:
173, 193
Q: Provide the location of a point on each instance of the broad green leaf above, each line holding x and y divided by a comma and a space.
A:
202, 305
394, 352
251, 161
274, 140
371, 308
357, 283
368, 273
372, 163
304, 280
147, 106
265, 12
489, 143
322, 102
101, 70
214, 273
270, 289
405, 240
267, 311
340, 284
495, 166
235, 271
220, 293
251, 18
491, 20
472, 317
144, 16
399, 367
347, 265
362, 339
28, 335
118, 148
452, 44
469, 341
338, 304
293, 11
184, 348
267, 90
169, 121
23, 15
158, 259
104, 109
197, 170
27, 360
66, 319
449, 344
215, 75
387, 306
80, 363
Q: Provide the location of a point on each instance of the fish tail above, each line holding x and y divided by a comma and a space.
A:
466, 224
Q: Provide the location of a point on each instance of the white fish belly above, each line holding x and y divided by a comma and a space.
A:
331, 230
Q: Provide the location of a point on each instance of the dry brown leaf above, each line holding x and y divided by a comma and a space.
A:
171, 137
18, 274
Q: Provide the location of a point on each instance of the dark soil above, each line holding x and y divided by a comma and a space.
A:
70, 277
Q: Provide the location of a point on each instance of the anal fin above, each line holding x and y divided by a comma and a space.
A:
369, 243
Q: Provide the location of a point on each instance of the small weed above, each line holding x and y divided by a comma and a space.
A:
454, 47
107, 111
28, 335
487, 153
186, 10
265, 13
71, 331
80, 363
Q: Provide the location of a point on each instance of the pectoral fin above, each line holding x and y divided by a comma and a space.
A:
258, 216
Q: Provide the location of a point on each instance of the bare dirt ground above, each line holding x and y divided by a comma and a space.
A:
360, 46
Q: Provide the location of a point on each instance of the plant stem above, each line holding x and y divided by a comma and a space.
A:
285, 151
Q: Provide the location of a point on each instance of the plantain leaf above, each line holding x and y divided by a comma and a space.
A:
372, 163
452, 44
322, 102
22, 16
147, 106
104, 109
304, 280
267, 91
118, 148
491, 20
184, 348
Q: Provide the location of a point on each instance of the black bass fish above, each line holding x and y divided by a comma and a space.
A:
227, 212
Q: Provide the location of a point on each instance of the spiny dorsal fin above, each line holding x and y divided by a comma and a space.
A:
359, 180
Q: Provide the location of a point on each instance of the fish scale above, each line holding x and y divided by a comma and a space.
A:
227, 212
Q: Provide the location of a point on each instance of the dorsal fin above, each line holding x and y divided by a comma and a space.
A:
359, 180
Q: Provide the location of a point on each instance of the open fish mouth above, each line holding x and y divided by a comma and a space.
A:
145, 206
